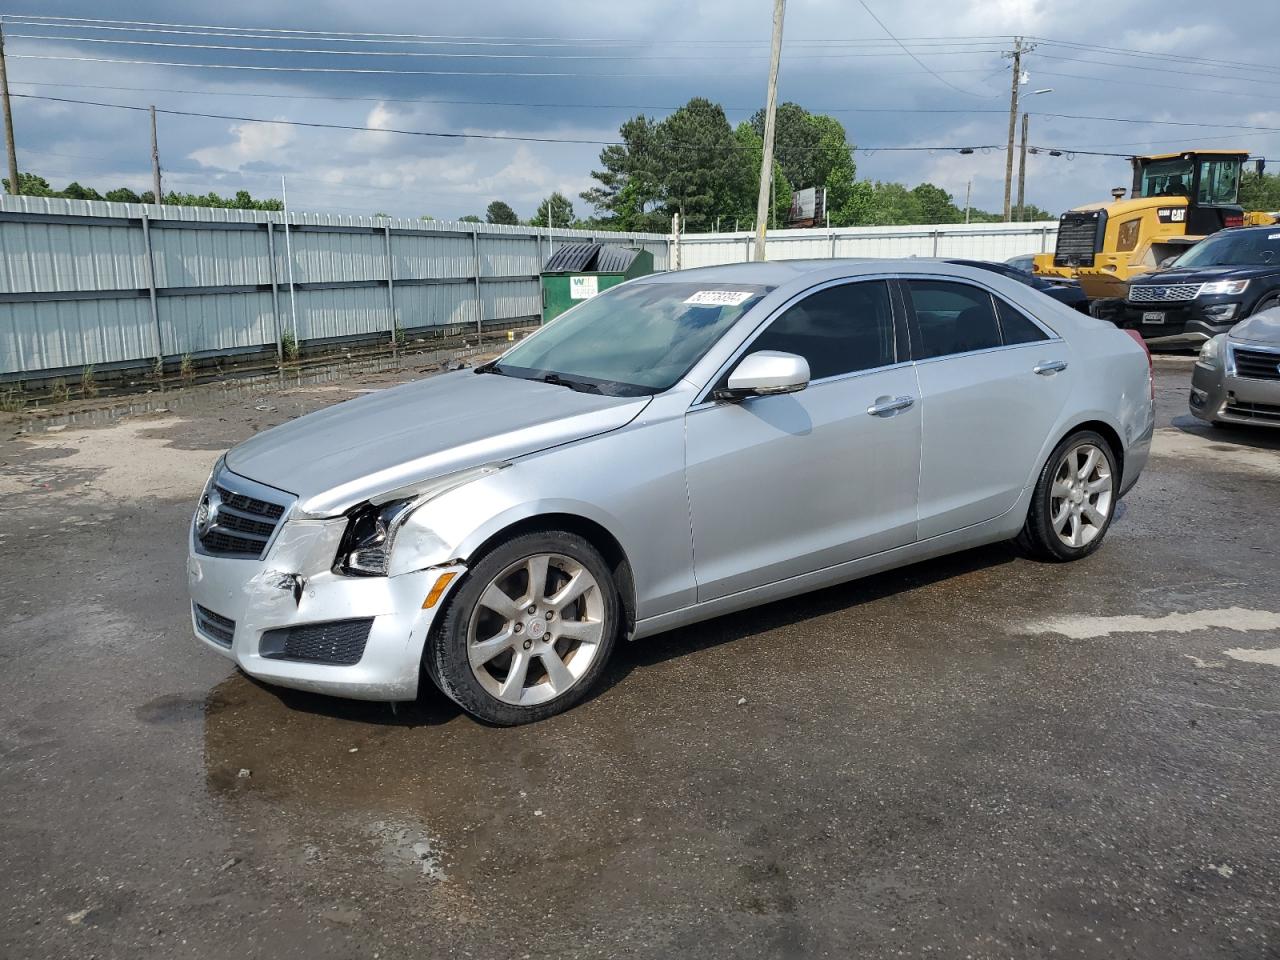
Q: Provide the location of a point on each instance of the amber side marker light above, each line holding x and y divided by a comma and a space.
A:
441, 582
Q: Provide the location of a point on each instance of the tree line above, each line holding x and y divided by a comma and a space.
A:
696, 164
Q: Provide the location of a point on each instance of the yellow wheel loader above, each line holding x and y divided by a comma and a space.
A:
1177, 200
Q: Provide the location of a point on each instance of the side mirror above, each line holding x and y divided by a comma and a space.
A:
765, 373
1167, 262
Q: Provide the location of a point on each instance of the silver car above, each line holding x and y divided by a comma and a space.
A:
1237, 375
678, 447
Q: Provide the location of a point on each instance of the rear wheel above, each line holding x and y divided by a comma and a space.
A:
529, 632
1074, 499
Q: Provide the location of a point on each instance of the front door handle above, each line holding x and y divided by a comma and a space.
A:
887, 405
1053, 366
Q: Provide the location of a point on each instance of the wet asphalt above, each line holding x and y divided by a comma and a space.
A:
965, 758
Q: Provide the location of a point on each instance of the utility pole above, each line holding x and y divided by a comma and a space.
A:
155, 160
9, 147
288, 255
1013, 121
1022, 168
770, 116
968, 193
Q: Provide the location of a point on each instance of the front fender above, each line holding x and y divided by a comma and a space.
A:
452, 527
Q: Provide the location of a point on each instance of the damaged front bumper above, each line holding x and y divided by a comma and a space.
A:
287, 619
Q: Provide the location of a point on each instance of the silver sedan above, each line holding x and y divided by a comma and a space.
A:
678, 447
1237, 375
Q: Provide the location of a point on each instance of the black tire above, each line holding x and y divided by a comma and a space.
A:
1038, 538
445, 656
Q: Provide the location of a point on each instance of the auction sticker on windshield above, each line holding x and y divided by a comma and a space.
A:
720, 298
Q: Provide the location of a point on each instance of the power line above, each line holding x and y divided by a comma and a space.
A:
380, 71
484, 103
924, 66
481, 56
138, 26
1133, 66
451, 135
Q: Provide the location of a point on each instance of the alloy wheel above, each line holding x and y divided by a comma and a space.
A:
1082, 494
536, 629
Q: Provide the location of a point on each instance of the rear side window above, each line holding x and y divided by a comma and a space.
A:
838, 330
1015, 326
953, 318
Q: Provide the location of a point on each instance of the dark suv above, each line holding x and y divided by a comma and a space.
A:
1059, 288
1221, 280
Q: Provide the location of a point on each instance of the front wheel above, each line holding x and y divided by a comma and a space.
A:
1074, 499
528, 633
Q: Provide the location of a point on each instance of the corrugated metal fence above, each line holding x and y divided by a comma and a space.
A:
87, 282
976, 241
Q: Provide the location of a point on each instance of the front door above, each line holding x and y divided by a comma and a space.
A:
784, 485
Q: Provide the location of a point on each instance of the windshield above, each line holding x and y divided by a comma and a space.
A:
637, 338
1233, 249
1167, 178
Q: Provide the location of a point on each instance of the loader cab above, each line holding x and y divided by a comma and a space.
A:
1207, 181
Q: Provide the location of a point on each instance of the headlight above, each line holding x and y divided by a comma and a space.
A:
1216, 287
371, 531
1211, 352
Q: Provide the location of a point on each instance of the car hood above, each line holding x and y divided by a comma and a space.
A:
1206, 274
1262, 327
340, 456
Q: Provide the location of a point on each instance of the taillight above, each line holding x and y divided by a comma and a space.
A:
1233, 220
1151, 366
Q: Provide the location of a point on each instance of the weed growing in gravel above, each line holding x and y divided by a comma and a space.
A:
11, 400
187, 367
88, 385
289, 345
59, 392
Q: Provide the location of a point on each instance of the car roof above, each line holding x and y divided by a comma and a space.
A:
782, 272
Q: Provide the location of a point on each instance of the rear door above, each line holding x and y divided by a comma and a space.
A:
993, 382
780, 486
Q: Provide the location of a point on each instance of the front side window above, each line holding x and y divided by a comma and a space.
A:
952, 318
637, 338
838, 330
1167, 178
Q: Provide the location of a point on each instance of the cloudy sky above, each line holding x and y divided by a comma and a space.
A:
575, 70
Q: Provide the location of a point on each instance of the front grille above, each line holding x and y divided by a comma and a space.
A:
1078, 236
340, 643
1163, 293
243, 519
1264, 412
215, 626
1256, 364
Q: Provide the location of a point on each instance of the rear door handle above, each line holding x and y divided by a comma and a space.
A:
1053, 366
886, 405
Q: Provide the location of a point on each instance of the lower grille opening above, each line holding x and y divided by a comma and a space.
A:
340, 642
215, 626
1268, 412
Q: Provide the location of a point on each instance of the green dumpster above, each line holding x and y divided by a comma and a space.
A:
578, 271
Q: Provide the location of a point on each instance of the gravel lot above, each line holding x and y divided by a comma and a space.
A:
981, 756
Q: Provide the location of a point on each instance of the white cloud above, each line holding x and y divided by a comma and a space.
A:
253, 142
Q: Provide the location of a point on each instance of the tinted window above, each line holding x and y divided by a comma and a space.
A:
838, 330
952, 318
1015, 326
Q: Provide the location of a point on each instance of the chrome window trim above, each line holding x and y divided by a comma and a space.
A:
701, 399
